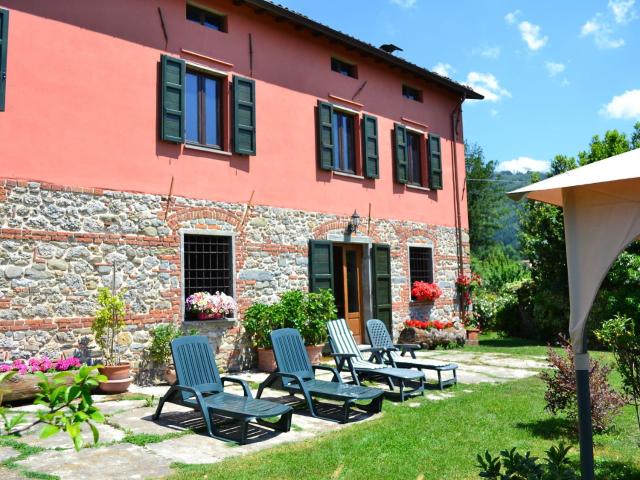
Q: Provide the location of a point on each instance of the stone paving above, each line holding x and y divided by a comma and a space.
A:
178, 435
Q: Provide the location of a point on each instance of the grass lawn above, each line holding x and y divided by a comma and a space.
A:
437, 440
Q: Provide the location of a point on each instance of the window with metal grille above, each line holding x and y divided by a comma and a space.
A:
420, 264
208, 265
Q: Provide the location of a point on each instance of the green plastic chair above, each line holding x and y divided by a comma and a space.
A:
295, 374
200, 386
348, 356
393, 354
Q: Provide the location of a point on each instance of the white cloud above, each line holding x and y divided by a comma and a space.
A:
626, 105
487, 84
404, 3
554, 68
524, 164
443, 69
602, 32
487, 51
531, 35
493, 112
512, 17
622, 10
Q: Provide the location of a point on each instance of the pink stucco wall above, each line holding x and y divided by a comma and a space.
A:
82, 102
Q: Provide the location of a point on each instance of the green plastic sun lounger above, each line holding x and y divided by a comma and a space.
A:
393, 354
200, 387
348, 356
295, 374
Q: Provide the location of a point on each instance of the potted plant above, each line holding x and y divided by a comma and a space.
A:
319, 309
107, 324
307, 312
473, 330
259, 321
160, 349
210, 307
425, 291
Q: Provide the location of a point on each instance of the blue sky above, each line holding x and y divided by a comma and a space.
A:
554, 72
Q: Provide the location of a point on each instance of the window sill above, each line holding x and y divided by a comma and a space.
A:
201, 148
348, 175
221, 322
417, 187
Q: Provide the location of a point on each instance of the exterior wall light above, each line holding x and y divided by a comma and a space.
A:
354, 223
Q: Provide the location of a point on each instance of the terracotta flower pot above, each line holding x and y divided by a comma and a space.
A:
266, 360
315, 353
473, 335
118, 378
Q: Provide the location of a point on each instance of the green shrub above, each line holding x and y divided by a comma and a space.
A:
307, 312
620, 335
162, 336
513, 309
498, 267
108, 323
511, 465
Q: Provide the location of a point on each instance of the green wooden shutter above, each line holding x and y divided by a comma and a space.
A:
244, 116
370, 146
402, 163
381, 270
325, 135
320, 265
4, 39
172, 84
435, 163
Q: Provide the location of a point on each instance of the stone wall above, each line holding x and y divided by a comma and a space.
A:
59, 244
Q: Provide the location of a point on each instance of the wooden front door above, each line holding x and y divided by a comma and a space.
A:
348, 286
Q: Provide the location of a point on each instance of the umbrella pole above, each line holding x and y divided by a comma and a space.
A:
584, 416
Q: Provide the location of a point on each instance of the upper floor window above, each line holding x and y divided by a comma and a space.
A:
421, 264
203, 109
411, 93
344, 68
207, 18
414, 158
207, 264
344, 141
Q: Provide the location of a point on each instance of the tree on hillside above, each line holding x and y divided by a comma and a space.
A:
485, 200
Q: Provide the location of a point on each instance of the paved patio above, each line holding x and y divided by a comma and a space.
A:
136, 447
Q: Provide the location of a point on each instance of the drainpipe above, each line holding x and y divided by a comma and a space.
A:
455, 120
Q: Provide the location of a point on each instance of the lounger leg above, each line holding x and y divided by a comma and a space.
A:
345, 411
440, 380
244, 427
455, 377
402, 390
156, 415
265, 384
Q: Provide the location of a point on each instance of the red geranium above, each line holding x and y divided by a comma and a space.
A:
424, 325
425, 291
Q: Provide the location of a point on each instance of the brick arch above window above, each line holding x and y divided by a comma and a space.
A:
197, 217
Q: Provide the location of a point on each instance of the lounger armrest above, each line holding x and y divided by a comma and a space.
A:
292, 376
373, 349
245, 385
184, 388
336, 375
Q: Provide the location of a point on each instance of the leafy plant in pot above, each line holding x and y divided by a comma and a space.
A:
307, 312
107, 324
160, 349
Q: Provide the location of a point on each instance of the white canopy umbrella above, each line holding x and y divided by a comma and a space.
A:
601, 204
